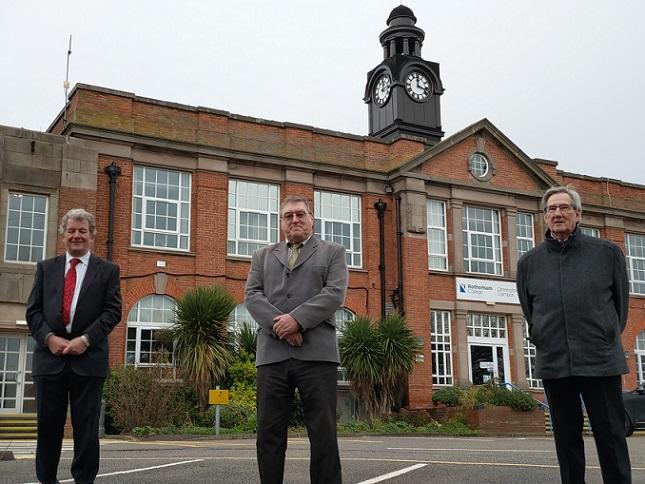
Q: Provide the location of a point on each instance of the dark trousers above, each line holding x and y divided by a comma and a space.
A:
604, 403
316, 384
53, 392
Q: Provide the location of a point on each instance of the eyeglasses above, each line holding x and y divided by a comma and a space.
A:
294, 215
565, 208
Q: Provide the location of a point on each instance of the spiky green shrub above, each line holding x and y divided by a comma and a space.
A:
203, 347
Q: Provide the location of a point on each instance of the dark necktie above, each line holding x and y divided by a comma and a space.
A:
68, 291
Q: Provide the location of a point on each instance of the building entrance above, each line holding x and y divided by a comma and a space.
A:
16, 384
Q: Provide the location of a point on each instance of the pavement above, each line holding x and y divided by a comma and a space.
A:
368, 459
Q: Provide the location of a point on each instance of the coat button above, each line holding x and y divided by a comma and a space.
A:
288, 296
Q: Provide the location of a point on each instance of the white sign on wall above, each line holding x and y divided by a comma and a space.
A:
486, 290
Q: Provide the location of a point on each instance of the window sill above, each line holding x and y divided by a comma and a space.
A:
161, 250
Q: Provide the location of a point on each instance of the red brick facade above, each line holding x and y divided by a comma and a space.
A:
215, 147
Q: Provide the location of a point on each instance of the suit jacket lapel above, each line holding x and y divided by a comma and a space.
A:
307, 251
59, 276
281, 253
90, 274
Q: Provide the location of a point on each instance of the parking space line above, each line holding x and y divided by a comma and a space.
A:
142, 469
528, 451
390, 475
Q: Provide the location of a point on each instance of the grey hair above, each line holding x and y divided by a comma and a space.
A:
78, 214
576, 201
296, 199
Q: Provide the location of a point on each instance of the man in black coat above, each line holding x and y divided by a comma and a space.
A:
574, 293
73, 306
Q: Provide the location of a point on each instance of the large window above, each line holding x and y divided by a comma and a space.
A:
441, 348
338, 218
26, 224
640, 357
635, 245
252, 216
524, 228
341, 317
437, 235
149, 342
486, 325
240, 317
529, 360
591, 232
161, 208
482, 240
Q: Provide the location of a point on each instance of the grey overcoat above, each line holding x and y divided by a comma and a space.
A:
311, 293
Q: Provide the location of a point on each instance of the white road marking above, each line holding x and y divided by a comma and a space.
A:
143, 469
390, 475
528, 451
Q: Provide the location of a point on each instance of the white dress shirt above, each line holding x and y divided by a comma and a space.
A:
81, 269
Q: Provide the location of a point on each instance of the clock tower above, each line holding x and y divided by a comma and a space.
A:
403, 91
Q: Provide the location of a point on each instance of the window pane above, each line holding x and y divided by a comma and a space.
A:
158, 207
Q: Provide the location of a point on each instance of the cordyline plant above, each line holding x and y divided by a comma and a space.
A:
203, 346
378, 357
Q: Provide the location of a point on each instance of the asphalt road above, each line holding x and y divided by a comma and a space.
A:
365, 460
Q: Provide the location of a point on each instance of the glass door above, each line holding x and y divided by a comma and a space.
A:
10, 374
16, 384
487, 362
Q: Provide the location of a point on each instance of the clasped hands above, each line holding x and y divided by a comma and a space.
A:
60, 346
288, 329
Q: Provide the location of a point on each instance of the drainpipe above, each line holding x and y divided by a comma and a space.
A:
113, 171
380, 207
398, 291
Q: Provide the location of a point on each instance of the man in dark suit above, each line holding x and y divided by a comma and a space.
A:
73, 306
293, 290
575, 295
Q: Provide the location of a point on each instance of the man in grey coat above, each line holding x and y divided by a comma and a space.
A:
292, 292
574, 293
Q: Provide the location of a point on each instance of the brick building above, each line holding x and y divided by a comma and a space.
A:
193, 191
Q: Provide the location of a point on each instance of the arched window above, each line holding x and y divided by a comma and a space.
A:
640, 357
239, 317
149, 342
341, 317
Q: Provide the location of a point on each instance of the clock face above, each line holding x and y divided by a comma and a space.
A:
418, 86
382, 90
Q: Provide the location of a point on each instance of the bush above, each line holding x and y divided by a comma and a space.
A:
134, 398
491, 394
449, 396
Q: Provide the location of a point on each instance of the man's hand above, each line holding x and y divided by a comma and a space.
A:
57, 345
284, 325
294, 339
75, 347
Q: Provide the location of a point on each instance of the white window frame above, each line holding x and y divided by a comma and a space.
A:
441, 346
145, 177
264, 202
26, 231
341, 316
469, 233
437, 225
590, 231
530, 353
331, 209
164, 307
525, 233
635, 258
239, 317
640, 357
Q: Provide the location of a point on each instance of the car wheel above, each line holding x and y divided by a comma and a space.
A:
629, 425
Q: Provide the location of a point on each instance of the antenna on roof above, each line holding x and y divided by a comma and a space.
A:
66, 83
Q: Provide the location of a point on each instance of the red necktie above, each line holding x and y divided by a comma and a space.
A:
68, 291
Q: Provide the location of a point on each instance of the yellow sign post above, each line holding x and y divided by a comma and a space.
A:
217, 397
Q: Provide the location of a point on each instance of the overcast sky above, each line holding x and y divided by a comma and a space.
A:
564, 80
